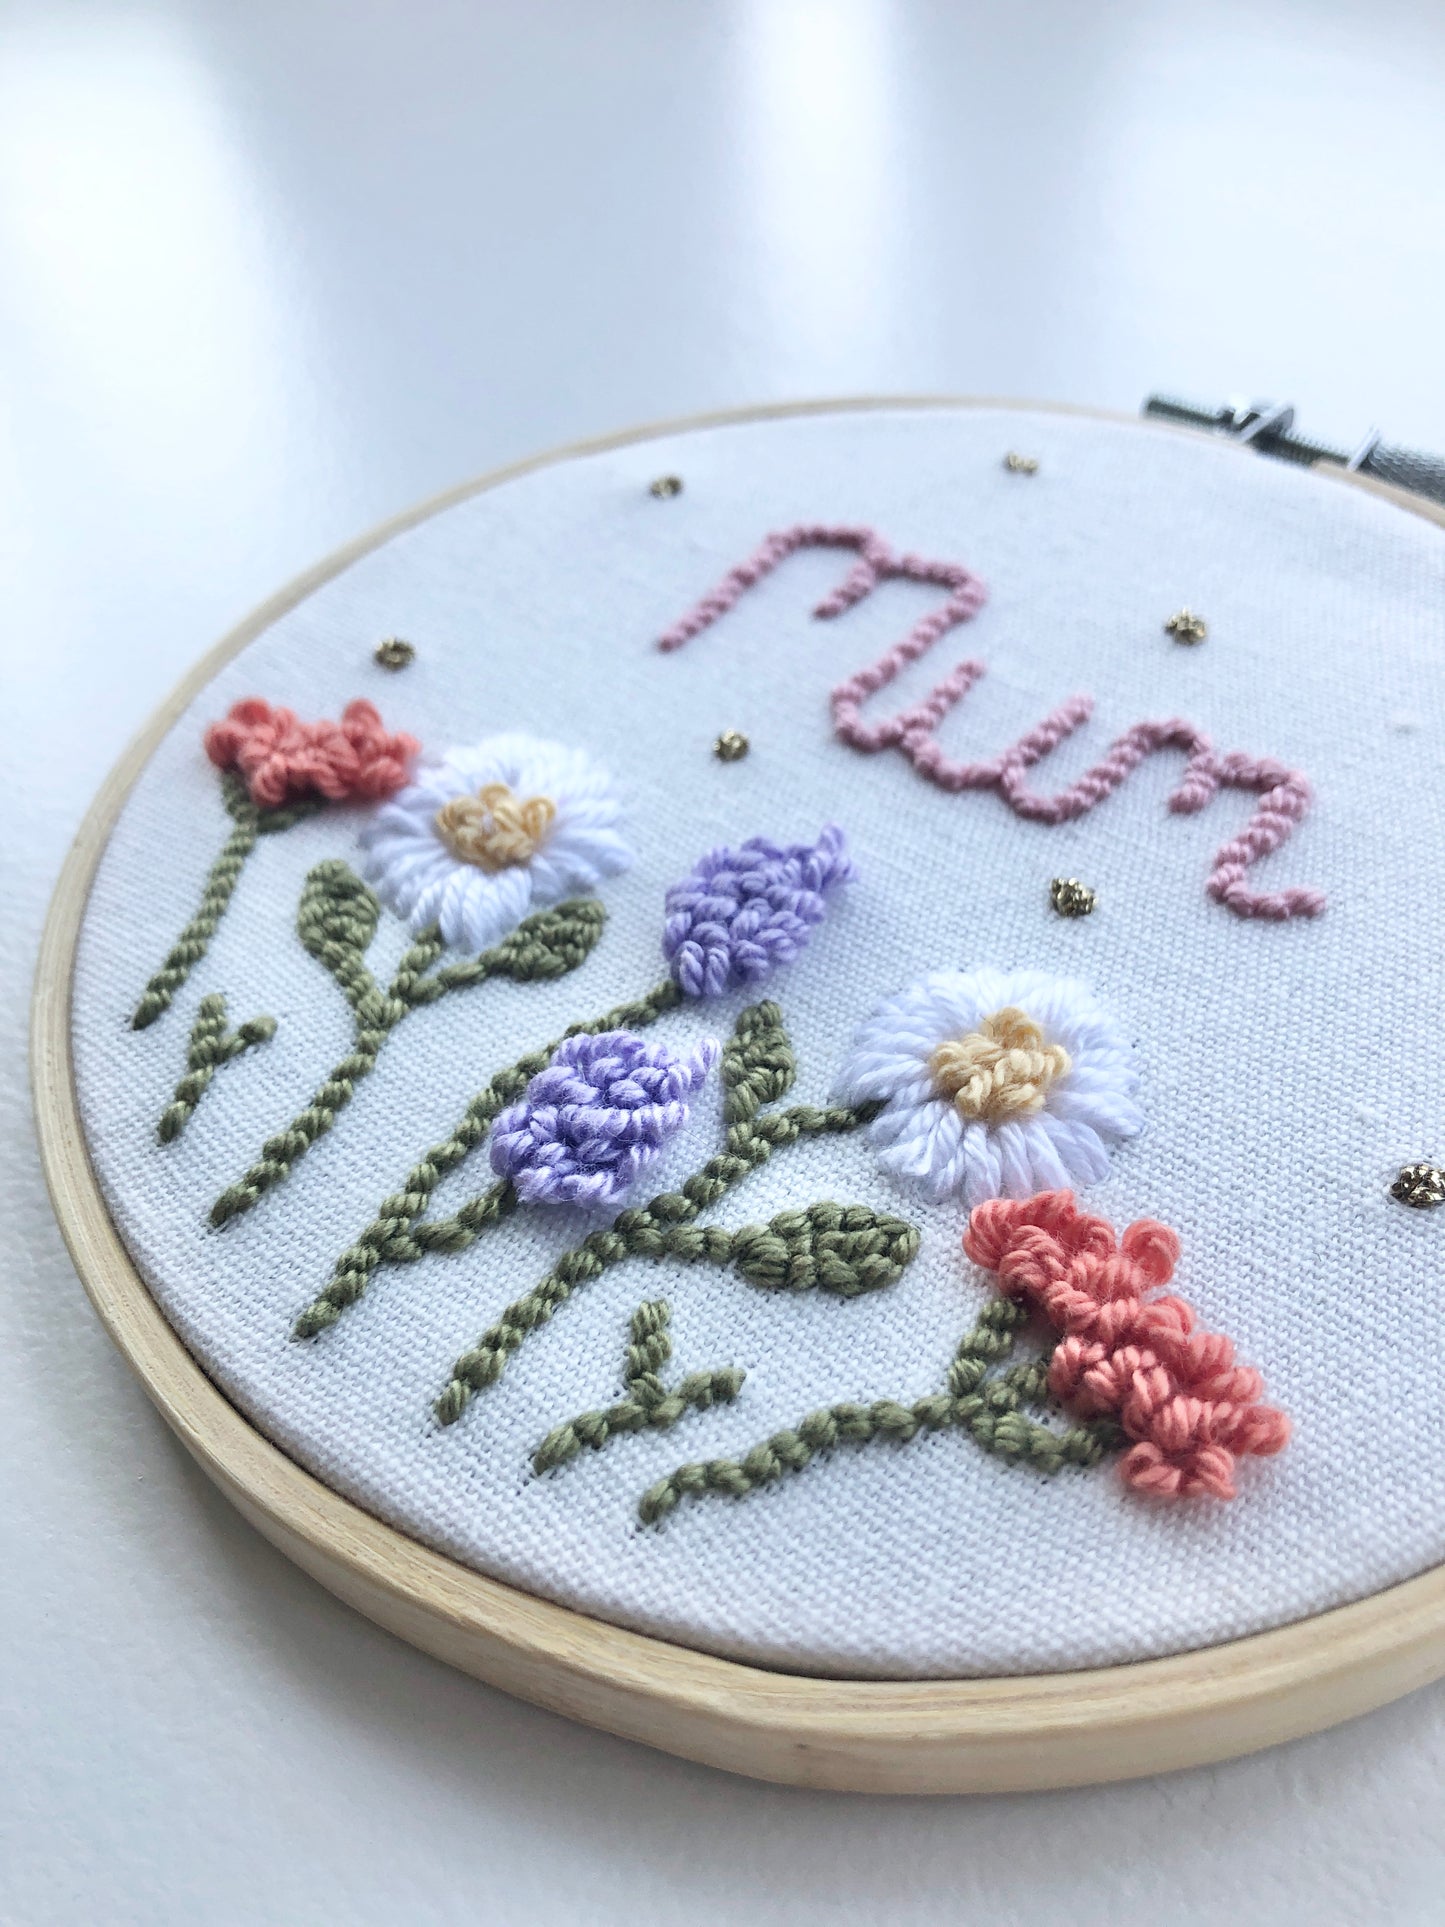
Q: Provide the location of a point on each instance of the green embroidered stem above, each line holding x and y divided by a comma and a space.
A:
211, 1045
191, 945
987, 1408
649, 1404
651, 1231
336, 922
844, 1249
395, 1237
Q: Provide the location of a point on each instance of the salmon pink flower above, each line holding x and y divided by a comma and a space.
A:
1126, 1349
281, 758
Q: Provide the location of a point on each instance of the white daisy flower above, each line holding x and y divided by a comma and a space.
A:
994, 1083
490, 834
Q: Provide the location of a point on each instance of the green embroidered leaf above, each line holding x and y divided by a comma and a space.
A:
337, 916
666, 1226
758, 1066
845, 1249
551, 942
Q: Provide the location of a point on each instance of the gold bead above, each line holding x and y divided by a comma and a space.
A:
393, 653
1186, 627
1421, 1186
1017, 464
1070, 897
731, 746
665, 486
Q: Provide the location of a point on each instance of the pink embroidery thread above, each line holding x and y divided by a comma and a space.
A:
1284, 793
280, 757
1176, 1390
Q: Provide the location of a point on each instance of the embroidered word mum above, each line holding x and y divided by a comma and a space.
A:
1284, 793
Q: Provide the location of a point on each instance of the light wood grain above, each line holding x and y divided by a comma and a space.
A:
960, 1736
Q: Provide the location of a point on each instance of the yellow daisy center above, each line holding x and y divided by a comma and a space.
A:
494, 829
1001, 1070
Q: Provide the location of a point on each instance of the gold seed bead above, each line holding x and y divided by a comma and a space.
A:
393, 653
1186, 627
1017, 464
665, 486
1421, 1186
731, 746
1070, 897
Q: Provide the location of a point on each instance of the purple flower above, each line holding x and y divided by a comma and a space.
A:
588, 1125
742, 913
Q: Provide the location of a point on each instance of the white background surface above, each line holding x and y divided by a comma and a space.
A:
267, 274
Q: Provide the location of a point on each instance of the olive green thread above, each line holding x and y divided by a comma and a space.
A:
211, 1045
398, 1234
336, 922
650, 1231
187, 951
986, 1407
826, 1250
843, 1249
758, 1065
650, 1405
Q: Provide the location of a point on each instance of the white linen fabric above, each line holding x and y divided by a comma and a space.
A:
1286, 1070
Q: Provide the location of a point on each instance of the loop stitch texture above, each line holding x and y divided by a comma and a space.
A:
1175, 1389
282, 758
741, 914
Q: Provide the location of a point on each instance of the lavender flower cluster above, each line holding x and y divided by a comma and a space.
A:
601, 1112
742, 913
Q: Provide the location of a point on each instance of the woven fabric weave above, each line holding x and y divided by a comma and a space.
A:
1287, 1071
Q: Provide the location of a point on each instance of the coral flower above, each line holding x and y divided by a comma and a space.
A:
601, 1112
993, 1083
281, 758
1176, 1390
741, 913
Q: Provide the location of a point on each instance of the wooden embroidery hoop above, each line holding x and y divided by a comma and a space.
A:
874, 1736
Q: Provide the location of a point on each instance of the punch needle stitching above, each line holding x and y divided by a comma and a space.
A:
211, 1045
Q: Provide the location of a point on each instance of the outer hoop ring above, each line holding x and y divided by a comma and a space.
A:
875, 1736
